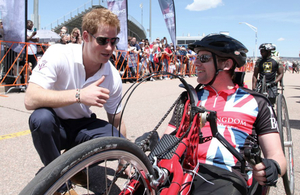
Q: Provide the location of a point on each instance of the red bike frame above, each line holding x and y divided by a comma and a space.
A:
183, 174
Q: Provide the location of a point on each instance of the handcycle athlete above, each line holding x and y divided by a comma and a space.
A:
243, 121
269, 67
270, 72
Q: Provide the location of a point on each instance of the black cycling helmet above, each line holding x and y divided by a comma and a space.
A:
223, 46
267, 47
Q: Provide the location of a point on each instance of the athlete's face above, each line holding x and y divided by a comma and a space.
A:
205, 69
102, 52
264, 53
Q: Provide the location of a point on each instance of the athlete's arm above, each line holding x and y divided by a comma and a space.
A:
254, 77
92, 95
271, 147
37, 97
279, 74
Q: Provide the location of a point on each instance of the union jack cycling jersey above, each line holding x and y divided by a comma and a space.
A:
242, 115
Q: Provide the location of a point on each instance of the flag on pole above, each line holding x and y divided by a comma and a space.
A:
13, 19
119, 7
168, 10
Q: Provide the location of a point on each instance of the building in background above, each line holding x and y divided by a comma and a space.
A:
185, 40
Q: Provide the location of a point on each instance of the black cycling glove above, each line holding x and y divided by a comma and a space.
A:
273, 83
272, 171
147, 141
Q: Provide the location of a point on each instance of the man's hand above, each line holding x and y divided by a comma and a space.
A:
93, 95
266, 173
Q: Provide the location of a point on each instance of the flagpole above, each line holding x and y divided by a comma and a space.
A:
36, 21
26, 50
150, 41
141, 6
26, 12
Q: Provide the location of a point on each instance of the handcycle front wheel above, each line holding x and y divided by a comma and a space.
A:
287, 143
100, 159
262, 86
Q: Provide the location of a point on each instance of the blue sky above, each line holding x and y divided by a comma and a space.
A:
276, 21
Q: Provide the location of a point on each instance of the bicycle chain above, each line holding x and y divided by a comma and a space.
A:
146, 141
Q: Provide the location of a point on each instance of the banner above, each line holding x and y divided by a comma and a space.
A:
168, 10
13, 19
119, 7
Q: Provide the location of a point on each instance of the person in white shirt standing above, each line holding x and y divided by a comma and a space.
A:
32, 48
1, 47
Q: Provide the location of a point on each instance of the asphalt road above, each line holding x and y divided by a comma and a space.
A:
19, 161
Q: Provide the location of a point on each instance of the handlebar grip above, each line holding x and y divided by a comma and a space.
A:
253, 155
257, 154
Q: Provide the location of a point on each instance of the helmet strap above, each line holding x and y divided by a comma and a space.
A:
216, 68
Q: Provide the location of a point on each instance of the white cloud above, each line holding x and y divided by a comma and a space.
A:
281, 39
200, 5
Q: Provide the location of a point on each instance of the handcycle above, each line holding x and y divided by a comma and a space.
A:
168, 169
284, 130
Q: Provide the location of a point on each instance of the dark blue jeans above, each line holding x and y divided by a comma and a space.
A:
52, 134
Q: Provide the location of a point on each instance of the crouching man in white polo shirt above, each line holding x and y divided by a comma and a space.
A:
67, 81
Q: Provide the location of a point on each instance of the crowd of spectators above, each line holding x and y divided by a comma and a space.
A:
74, 37
144, 57
291, 66
158, 56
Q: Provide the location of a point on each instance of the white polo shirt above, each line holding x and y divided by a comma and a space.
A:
61, 68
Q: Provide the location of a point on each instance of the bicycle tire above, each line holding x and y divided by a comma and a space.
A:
264, 88
287, 144
179, 108
261, 86
88, 156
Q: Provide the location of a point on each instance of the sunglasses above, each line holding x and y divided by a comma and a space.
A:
203, 58
104, 40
